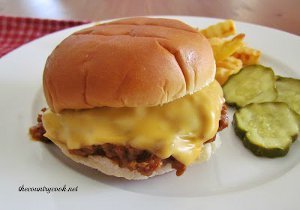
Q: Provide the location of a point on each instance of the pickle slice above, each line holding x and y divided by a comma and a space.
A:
253, 84
267, 129
289, 92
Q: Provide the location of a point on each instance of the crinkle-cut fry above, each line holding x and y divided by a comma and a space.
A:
229, 47
216, 41
248, 55
222, 29
232, 63
216, 44
222, 75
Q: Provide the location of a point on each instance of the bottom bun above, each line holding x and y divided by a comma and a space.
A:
110, 168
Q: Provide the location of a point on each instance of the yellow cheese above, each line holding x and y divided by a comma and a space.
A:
177, 129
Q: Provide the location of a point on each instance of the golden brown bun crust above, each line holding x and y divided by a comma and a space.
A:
132, 62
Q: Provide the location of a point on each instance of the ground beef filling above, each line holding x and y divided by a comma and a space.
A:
131, 158
126, 156
37, 131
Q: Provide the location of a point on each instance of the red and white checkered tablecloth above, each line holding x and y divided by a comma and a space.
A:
15, 31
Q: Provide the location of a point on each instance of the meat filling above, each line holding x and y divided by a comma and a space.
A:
126, 156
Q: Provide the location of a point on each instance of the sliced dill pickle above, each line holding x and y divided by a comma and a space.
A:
289, 92
267, 129
253, 84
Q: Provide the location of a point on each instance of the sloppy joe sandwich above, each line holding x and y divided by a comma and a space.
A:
133, 98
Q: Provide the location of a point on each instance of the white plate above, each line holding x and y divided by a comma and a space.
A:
233, 178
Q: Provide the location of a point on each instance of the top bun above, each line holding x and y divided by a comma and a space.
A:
128, 63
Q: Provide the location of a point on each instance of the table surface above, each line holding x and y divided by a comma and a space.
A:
280, 14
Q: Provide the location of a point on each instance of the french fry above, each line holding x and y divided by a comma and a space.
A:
222, 75
248, 55
228, 47
232, 63
222, 29
230, 55
216, 41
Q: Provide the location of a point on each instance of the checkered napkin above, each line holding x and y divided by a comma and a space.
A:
15, 31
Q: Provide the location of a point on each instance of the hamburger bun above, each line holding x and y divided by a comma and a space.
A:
128, 63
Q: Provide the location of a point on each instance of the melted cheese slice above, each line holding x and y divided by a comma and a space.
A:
177, 129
